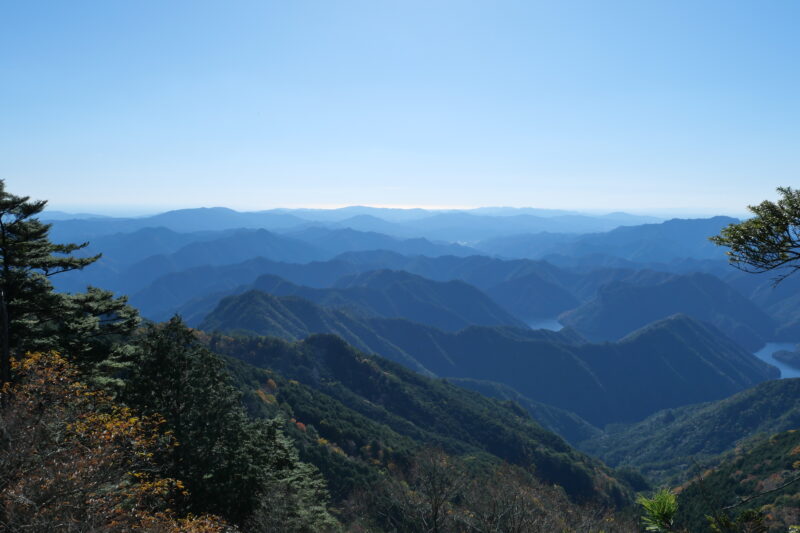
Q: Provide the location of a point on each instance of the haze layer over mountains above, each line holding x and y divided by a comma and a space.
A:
451, 294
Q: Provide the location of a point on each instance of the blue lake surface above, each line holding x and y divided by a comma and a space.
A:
545, 323
765, 354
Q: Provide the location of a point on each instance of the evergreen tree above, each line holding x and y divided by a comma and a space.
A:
32, 315
232, 466
770, 240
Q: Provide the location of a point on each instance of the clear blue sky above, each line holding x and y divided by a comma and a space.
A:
255, 104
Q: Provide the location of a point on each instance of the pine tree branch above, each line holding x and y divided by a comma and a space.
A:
764, 493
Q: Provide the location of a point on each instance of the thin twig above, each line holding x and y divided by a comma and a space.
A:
754, 496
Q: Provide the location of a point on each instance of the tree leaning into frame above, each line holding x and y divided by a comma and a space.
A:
770, 240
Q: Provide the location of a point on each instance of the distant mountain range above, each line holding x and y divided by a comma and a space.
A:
452, 226
647, 243
670, 363
166, 270
131, 261
605, 304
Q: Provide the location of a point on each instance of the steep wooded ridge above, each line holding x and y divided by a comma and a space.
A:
624, 306
352, 399
645, 243
565, 423
767, 466
782, 302
451, 305
293, 318
670, 363
670, 442
504, 281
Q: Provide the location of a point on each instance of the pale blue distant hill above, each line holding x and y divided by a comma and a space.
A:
451, 226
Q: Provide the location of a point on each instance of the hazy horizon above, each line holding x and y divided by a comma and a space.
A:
144, 211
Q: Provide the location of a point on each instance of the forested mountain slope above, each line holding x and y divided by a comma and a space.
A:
293, 318
528, 289
362, 404
767, 466
673, 362
624, 306
451, 305
669, 442
560, 421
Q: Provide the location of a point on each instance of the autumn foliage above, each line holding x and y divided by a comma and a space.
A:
71, 459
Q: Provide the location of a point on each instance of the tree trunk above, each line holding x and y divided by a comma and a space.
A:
5, 352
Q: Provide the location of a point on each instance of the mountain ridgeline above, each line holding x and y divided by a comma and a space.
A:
673, 362
624, 306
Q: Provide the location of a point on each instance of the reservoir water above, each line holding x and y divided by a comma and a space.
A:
765, 354
545, 323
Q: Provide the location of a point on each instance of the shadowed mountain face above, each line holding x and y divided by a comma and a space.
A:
131, 261
781, 301
294, 318
231, 249
570, 426
532, 296
647, 243
667, 442
361, 403
337, 241
540, 295
451, 305
673, 362
622, 307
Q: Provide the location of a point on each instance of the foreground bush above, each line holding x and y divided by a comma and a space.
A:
71, 459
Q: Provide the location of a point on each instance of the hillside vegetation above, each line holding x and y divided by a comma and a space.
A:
622, 307
361, 404
671, 442
768, 466
671, 363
